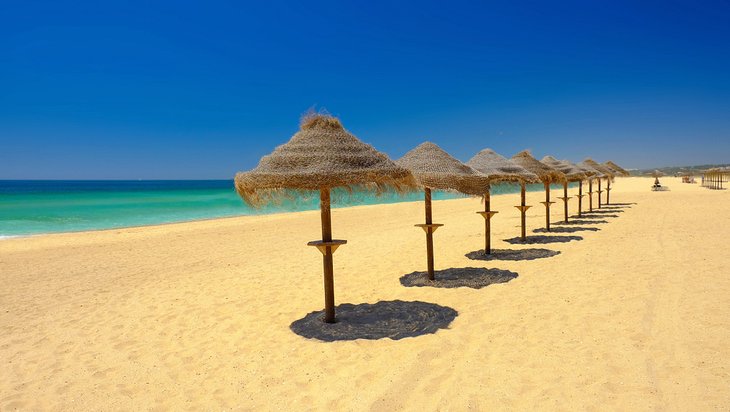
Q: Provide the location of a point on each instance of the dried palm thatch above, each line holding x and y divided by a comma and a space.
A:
620, 171
608, 173
572, 172
657, 173
322, 154
545, 173
590, 172
435, 169
500, 169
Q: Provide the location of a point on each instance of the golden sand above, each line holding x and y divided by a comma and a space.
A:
634, 316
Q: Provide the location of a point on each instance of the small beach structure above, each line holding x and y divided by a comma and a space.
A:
545, 173
500, 169
321, 156
593, 174
433, 168
572, 174
607, 173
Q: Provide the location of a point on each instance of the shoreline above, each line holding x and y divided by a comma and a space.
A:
530, 189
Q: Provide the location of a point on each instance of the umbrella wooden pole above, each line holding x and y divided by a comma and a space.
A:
487, 215
580, 197
487, 225
608, 190
523, 209
565, 200
429, 234
329, 282
547, 206
599, 193
590, 195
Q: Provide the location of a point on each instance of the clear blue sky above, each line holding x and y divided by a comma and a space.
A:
177, 89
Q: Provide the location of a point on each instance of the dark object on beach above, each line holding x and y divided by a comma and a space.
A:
580, 221
568, 229
475, 278
433, 168
500, 169
386, 319
545, 173
541, 239
513, 254
322, 155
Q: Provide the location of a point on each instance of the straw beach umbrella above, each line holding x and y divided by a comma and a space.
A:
620, 171
656, 174
592, 173
433, 168
500, 169
572, 174
607, 173
321, 156
545, 173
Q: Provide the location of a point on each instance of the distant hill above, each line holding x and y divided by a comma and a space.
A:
674, 170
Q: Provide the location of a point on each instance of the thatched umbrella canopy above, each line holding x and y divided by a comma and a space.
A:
500, 169
546, 174
433, 168
321, 156
572, 174
620, 171
659, 173
607, 173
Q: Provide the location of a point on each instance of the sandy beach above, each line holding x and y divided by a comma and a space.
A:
632, 314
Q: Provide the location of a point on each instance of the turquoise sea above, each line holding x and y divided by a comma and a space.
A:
30, 207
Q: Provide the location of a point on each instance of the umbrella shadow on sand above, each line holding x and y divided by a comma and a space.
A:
567, 229
623, 204
394, 319
601, 211
592, 215
475, 278
576, 220
513, 254
542, 239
